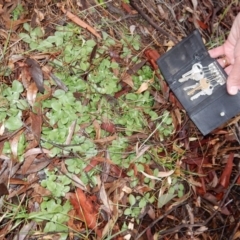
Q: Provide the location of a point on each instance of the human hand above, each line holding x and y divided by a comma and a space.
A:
229, 54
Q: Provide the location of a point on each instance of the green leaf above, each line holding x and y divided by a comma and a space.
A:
59, 93
128, 211
22, 104
90, 43
25, 37
142, 203
56, 105
27, 27
50, 227
131, 199
13, 123
17, 86
180, 194
33, 45
165, 198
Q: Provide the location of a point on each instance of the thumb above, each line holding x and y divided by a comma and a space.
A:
233, 81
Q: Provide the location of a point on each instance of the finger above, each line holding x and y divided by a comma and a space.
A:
224, 62
233, 81
217, 52
228, 69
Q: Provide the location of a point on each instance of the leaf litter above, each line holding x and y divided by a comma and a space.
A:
93, 144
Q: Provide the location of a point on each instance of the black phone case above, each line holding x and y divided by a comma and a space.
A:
207, 111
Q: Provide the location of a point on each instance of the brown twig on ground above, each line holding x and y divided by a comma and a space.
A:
79, 22
149, 20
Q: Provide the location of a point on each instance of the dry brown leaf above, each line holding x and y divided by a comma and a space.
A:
79, 22
143, 87
27, 163
141, 151
95, 161
71, 130
163, 14
106, 139
106, 202
25, 76
160, 175
108, 127
236, 235
97, 129
37, 165
128, 80
17, 181
86, 208
25, 230
36, 73
226, 174
32, 93
36, 126
36, 151
39, 190
14, 143
39, 16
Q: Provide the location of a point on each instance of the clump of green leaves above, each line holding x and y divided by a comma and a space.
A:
176, 189
165, 127
17, 12
11, 107
58, 185
77, 165
52, 209
137, 203
56, 215
11, 114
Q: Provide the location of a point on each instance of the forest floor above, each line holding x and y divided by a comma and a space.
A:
93, 143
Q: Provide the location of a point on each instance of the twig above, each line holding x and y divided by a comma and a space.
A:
81, 23
147, 18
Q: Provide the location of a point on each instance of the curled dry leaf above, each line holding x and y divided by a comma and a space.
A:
128, 80
39, 16
97, 129
105, 200
108, 127
106, 139
152, 56
226, 174
160, 175
14, 144
93, 163
36, 73
144, 86
32, 93
36, 127
36, 151
86, 208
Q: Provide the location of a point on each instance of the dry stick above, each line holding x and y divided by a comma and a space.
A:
147, 18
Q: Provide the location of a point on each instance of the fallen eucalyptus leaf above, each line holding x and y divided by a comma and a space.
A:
36, 73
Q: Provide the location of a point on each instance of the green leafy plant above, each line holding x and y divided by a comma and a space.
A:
176, 189
17, 12
137, 203
56, 215
58, 185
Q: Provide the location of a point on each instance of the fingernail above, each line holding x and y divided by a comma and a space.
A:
233, 90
